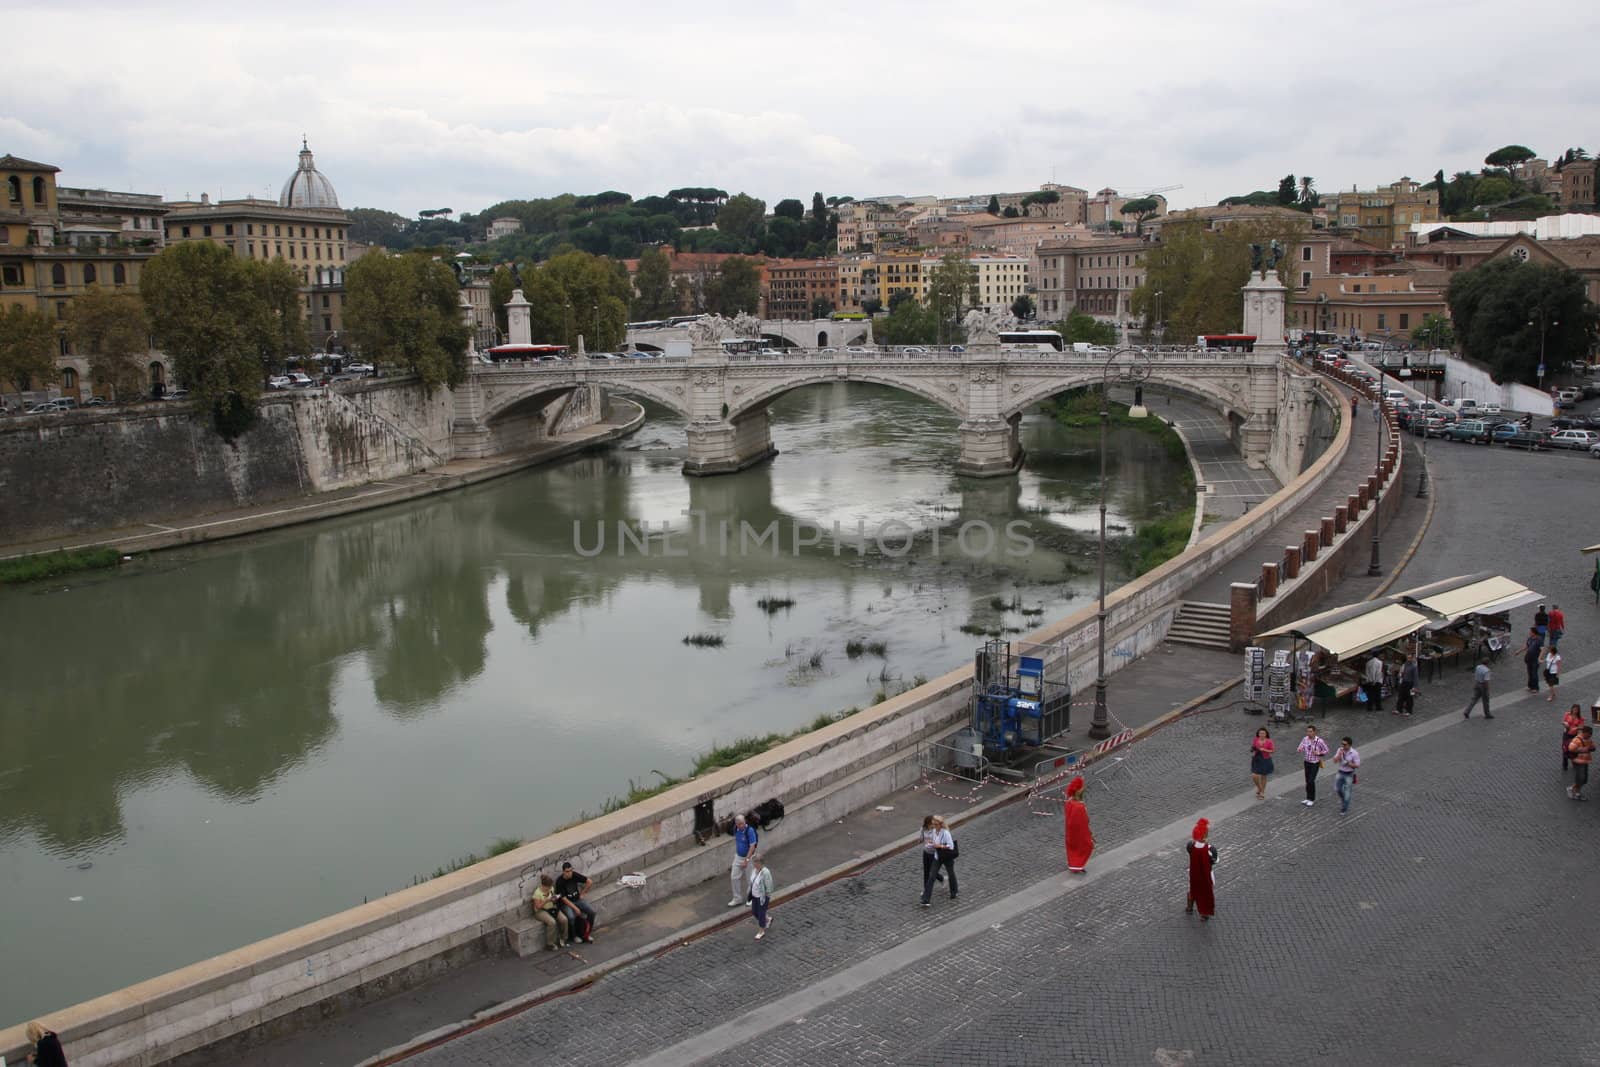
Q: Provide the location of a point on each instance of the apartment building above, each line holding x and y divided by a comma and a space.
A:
1383, 217
796, 288
1365, 306
1105, 274
1578, 189
1001, 279
57, 242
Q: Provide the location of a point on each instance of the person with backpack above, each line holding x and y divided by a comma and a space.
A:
938, 850
760, 894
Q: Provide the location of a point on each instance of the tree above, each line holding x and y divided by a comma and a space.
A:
1199, 272
371, 226
898, 297
653, 280
1042, 199
502, 283
1288, 191
1310, 199
738, 286
27, 347
1504, 311
1512, 155
821, 307
1141, 209
1435, 332
952, 291
1011, 212
109, 326
1079, 327
908, 323
822, 220
1022, 307
871, 305
222, 320
741, 217
404, 312
1115, 226
994, 204
790, 209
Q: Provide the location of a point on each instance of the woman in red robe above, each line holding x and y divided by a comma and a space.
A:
1080, 842
1202, 883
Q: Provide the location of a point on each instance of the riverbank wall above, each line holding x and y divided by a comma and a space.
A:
279, 984
68, 476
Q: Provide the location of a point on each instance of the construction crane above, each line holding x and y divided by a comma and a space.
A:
1153, 192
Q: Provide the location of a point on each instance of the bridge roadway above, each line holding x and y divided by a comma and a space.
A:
724, 398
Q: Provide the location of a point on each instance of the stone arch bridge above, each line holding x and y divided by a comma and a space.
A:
724, 398
779, 333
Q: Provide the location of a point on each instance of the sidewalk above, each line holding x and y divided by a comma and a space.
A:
236, 522
1351, 471
1173, 676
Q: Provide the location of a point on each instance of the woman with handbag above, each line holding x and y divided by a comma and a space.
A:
1202, 882
760, 894
938, 850
1261, 749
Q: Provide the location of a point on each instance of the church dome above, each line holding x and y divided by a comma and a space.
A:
307, 187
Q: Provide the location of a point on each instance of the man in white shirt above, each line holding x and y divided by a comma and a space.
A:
1480, 690
1374, 683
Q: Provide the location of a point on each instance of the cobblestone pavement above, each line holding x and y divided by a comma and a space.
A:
1445, 920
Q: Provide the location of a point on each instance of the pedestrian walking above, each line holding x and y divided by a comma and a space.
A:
1552, 672
745, 840
1346, 761
938, 850
1312, 750
548, 911
1582, 749
1557, 624
760, 894
1531, 647
1541, 621
1571, 723
1080, 841
1202, 879
1405, 695
1355, 404
1261, 761
1373, 683
1480, 690
46, 1046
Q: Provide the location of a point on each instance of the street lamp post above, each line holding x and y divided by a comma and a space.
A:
1135, 373
1374, 569
1544, 328
1160, 333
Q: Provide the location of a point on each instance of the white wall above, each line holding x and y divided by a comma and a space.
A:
1462, 379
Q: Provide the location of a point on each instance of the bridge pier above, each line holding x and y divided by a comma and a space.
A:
728, 446
990, 447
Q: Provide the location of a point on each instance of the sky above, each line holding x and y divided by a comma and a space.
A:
410, 106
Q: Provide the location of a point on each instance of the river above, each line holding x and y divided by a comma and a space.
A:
217, 744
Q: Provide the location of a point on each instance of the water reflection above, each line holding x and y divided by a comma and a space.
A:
313, 688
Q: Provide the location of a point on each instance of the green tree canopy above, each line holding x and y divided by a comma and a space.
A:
1288, 191
908, 323
738, 286
1140, 209
501, 285
655, 298
1022, 306
1041, 199
1503, 310
823, 222
1079, 327
1435, 331
27, 347
742, 217
994, 204
1509, 156
1199, 272
110, 327
790, 209
404, 312
1010, 212
952, 291
225, 322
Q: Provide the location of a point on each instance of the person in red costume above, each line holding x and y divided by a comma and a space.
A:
1080, 842
1202, 883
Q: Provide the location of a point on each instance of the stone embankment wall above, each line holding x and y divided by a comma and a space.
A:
311, 972
71, 474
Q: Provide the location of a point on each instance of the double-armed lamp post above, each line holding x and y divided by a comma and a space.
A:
1134, 372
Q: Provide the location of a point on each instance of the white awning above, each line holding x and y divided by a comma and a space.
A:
1486, 596
1358, 632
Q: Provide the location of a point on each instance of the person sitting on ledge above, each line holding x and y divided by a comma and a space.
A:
547, 909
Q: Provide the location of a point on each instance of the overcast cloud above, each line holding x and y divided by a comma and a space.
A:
410, 106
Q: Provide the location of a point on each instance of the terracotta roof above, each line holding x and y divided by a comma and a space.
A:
1580, 253
18, 163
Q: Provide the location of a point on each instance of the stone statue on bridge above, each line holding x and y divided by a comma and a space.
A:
984, 327
746, 325
709, 331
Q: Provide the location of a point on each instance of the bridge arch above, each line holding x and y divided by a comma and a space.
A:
1231, 402
546, 389
765, 393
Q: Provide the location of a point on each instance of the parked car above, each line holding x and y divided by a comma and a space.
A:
1594, 450
1436, 425
98, 402
958, 348
1488, 409
175, 395
1566, 398
1514, 435
856, 350
1470, 431
1579, 439
916, 350
278, 381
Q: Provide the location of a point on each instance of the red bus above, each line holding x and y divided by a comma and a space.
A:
505, 353
1227, 342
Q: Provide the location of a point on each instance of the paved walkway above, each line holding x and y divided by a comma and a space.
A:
1232, 487
1358, 462
234, 522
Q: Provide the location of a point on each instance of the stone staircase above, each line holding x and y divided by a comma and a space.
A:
1202, 624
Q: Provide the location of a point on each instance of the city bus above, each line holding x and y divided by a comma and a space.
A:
744, 345
1036, 340
848, 316
1227, 342
508, 353
658, 324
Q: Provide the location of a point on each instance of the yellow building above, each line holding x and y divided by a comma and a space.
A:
305, 227
1383, 216
56, 242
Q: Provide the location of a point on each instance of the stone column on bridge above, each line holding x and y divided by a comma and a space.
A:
1263, 319
991, 443
719, 444
519, 319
